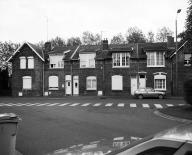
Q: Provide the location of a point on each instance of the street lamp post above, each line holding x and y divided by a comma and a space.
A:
176, 59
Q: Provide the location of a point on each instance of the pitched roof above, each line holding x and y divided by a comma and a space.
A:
33, 47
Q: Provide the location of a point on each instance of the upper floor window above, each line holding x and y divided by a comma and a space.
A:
87, 60
27, 82
160, 82
56, 61
30, 62
187, 59
22, 63
117, 82
91, 83
121, 59
53, 82
155, 59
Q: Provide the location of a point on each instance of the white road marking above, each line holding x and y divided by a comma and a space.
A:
19, 104
169, 105
64, 104
74, 104
145, 105
121, 105
42, 104
108, 104
181, 104
133, 105
50, 105
97, 104
118, 138
158, 106
32, 104
85, 104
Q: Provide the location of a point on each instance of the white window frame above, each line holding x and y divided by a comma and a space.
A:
22, 62
116, 82
121, 59
87, 60
30, 62
27, 82
55, 84
162, 78
187, 59
92, 86
56, 62
152, 58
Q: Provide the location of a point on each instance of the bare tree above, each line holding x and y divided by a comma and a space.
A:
73, 41
118, 39
163, 33
58, 42
150, 37
135, 35
89, 38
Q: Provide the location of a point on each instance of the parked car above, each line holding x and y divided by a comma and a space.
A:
175, 141
148, 92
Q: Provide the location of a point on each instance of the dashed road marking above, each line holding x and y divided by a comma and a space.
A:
120, 104
19, 104
158, 106
181, 104
39, 105
145, 105
169, 105
52, 104
64, 104
133, 105
97, 104
85, 104
74, 104
108, 104
32, 104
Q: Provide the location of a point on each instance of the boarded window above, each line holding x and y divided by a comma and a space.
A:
30, 62
117, 82
22, 63
27, 82
53, 82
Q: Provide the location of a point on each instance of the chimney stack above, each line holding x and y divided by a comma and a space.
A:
105, 45
47, 47
170, 42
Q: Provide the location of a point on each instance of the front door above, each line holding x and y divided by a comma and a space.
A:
133, 84
75, 85
68, 85
142, 81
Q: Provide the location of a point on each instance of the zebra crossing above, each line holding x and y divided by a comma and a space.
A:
107, 105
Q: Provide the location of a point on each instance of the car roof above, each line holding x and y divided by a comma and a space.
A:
179, 133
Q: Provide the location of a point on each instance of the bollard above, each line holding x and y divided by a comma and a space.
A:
8, 131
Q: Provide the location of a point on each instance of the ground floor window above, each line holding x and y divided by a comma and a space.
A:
27, 82
117, 82
91, 83
160, 82
53, 82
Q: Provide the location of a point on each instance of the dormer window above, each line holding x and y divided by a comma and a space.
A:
30, 62
56, 61
87, 60
121, 59
155, 59
22, 63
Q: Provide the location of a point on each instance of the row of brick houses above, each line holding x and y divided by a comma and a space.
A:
106, 69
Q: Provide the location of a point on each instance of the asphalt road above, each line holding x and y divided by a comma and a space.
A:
51, 124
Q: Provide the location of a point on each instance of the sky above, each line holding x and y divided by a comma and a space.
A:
39, 20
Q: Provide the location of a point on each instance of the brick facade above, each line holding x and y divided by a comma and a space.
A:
103, 70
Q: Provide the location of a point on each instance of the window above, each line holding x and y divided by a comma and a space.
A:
22, 63
121, 59
160, 82
53, 83
56, 61
91, 83
87, 60
27, 82
30, 62
117, 82
187, 59
161, 150
155, 59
